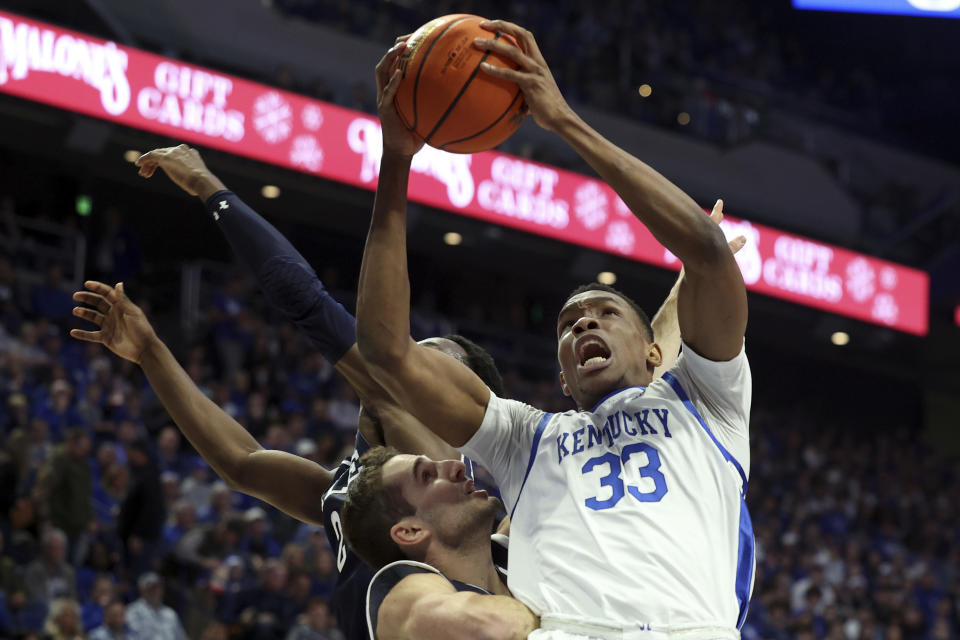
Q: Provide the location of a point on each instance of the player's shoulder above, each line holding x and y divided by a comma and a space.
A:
397, 588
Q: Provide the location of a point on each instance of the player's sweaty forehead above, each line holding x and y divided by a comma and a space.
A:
444, 345
398, 468
586, 300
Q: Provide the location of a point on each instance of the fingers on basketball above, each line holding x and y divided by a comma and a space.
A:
447, 98
525, 39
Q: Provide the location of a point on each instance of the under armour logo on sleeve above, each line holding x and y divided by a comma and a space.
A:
224, 205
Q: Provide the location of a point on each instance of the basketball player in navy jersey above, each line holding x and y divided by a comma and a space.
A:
288, 482
632, 521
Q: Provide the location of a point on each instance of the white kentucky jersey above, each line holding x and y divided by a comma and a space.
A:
632, 513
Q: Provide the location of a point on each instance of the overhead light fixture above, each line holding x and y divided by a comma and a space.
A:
606, 277
84, 205
270, 191
452, 238
840, 338
645, 90
131, 155
683, 118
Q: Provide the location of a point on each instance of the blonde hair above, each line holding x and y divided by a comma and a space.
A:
52, 627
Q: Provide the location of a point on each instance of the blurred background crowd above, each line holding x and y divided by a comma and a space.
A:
109, 518
111, 527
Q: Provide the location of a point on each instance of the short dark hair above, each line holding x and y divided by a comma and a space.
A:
481, 362
371, 509
596, 286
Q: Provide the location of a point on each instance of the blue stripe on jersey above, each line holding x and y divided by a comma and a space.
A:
533, 455
746, 563
685, 399
610, 395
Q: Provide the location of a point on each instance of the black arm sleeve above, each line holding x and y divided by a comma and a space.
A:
288, 282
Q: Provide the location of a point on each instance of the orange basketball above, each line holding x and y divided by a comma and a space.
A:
444, 96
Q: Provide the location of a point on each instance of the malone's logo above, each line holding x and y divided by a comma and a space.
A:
25, 47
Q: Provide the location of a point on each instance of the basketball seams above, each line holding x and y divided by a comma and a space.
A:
423, 61
488, 127
459, 95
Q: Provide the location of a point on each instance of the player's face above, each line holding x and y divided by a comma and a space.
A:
439, 491
426, 483
602, 347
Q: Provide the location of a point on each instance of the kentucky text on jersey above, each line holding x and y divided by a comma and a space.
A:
617, 424
631, 514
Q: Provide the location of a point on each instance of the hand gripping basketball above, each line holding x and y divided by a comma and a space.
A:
396, 137
533, 75
445, 98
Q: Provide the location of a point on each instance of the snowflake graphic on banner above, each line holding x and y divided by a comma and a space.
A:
860, 279
312, 117
590, 205
306, 152
888, 278
885, 308
620, 237
272, 117
621, 207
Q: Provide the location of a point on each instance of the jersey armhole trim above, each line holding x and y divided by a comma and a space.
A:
533, 456
670, 379
410, 563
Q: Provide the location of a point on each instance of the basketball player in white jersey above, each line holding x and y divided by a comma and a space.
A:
628, 516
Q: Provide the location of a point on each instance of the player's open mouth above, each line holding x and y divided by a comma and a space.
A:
471, 491
592, 354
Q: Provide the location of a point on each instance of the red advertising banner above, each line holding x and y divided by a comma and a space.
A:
80, 73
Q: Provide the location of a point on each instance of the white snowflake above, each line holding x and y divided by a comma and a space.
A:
888, 278
860, 279
620, 237
621, 207
272, 117
312, 117
306, 152
751, 264
590, 205
885, 308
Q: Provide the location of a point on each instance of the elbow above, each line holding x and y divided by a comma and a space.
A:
711, 251
234, 475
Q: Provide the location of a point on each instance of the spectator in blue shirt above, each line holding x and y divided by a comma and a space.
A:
114, 624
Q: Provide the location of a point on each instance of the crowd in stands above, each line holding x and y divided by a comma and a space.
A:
724, 64
111, 526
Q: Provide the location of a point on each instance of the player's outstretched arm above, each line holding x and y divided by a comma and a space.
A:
712, 301
425, 606
443, 393
665, 324
292, 286
288, 482
286, 278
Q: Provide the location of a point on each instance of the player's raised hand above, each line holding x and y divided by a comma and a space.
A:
717, 216
540, 90
124, 328
185, 168
397, 138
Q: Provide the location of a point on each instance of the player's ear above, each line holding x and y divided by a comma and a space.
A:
654, 356
409, 533
563, 385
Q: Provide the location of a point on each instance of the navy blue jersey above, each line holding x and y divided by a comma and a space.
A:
350, 592
353, 575
389, 576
